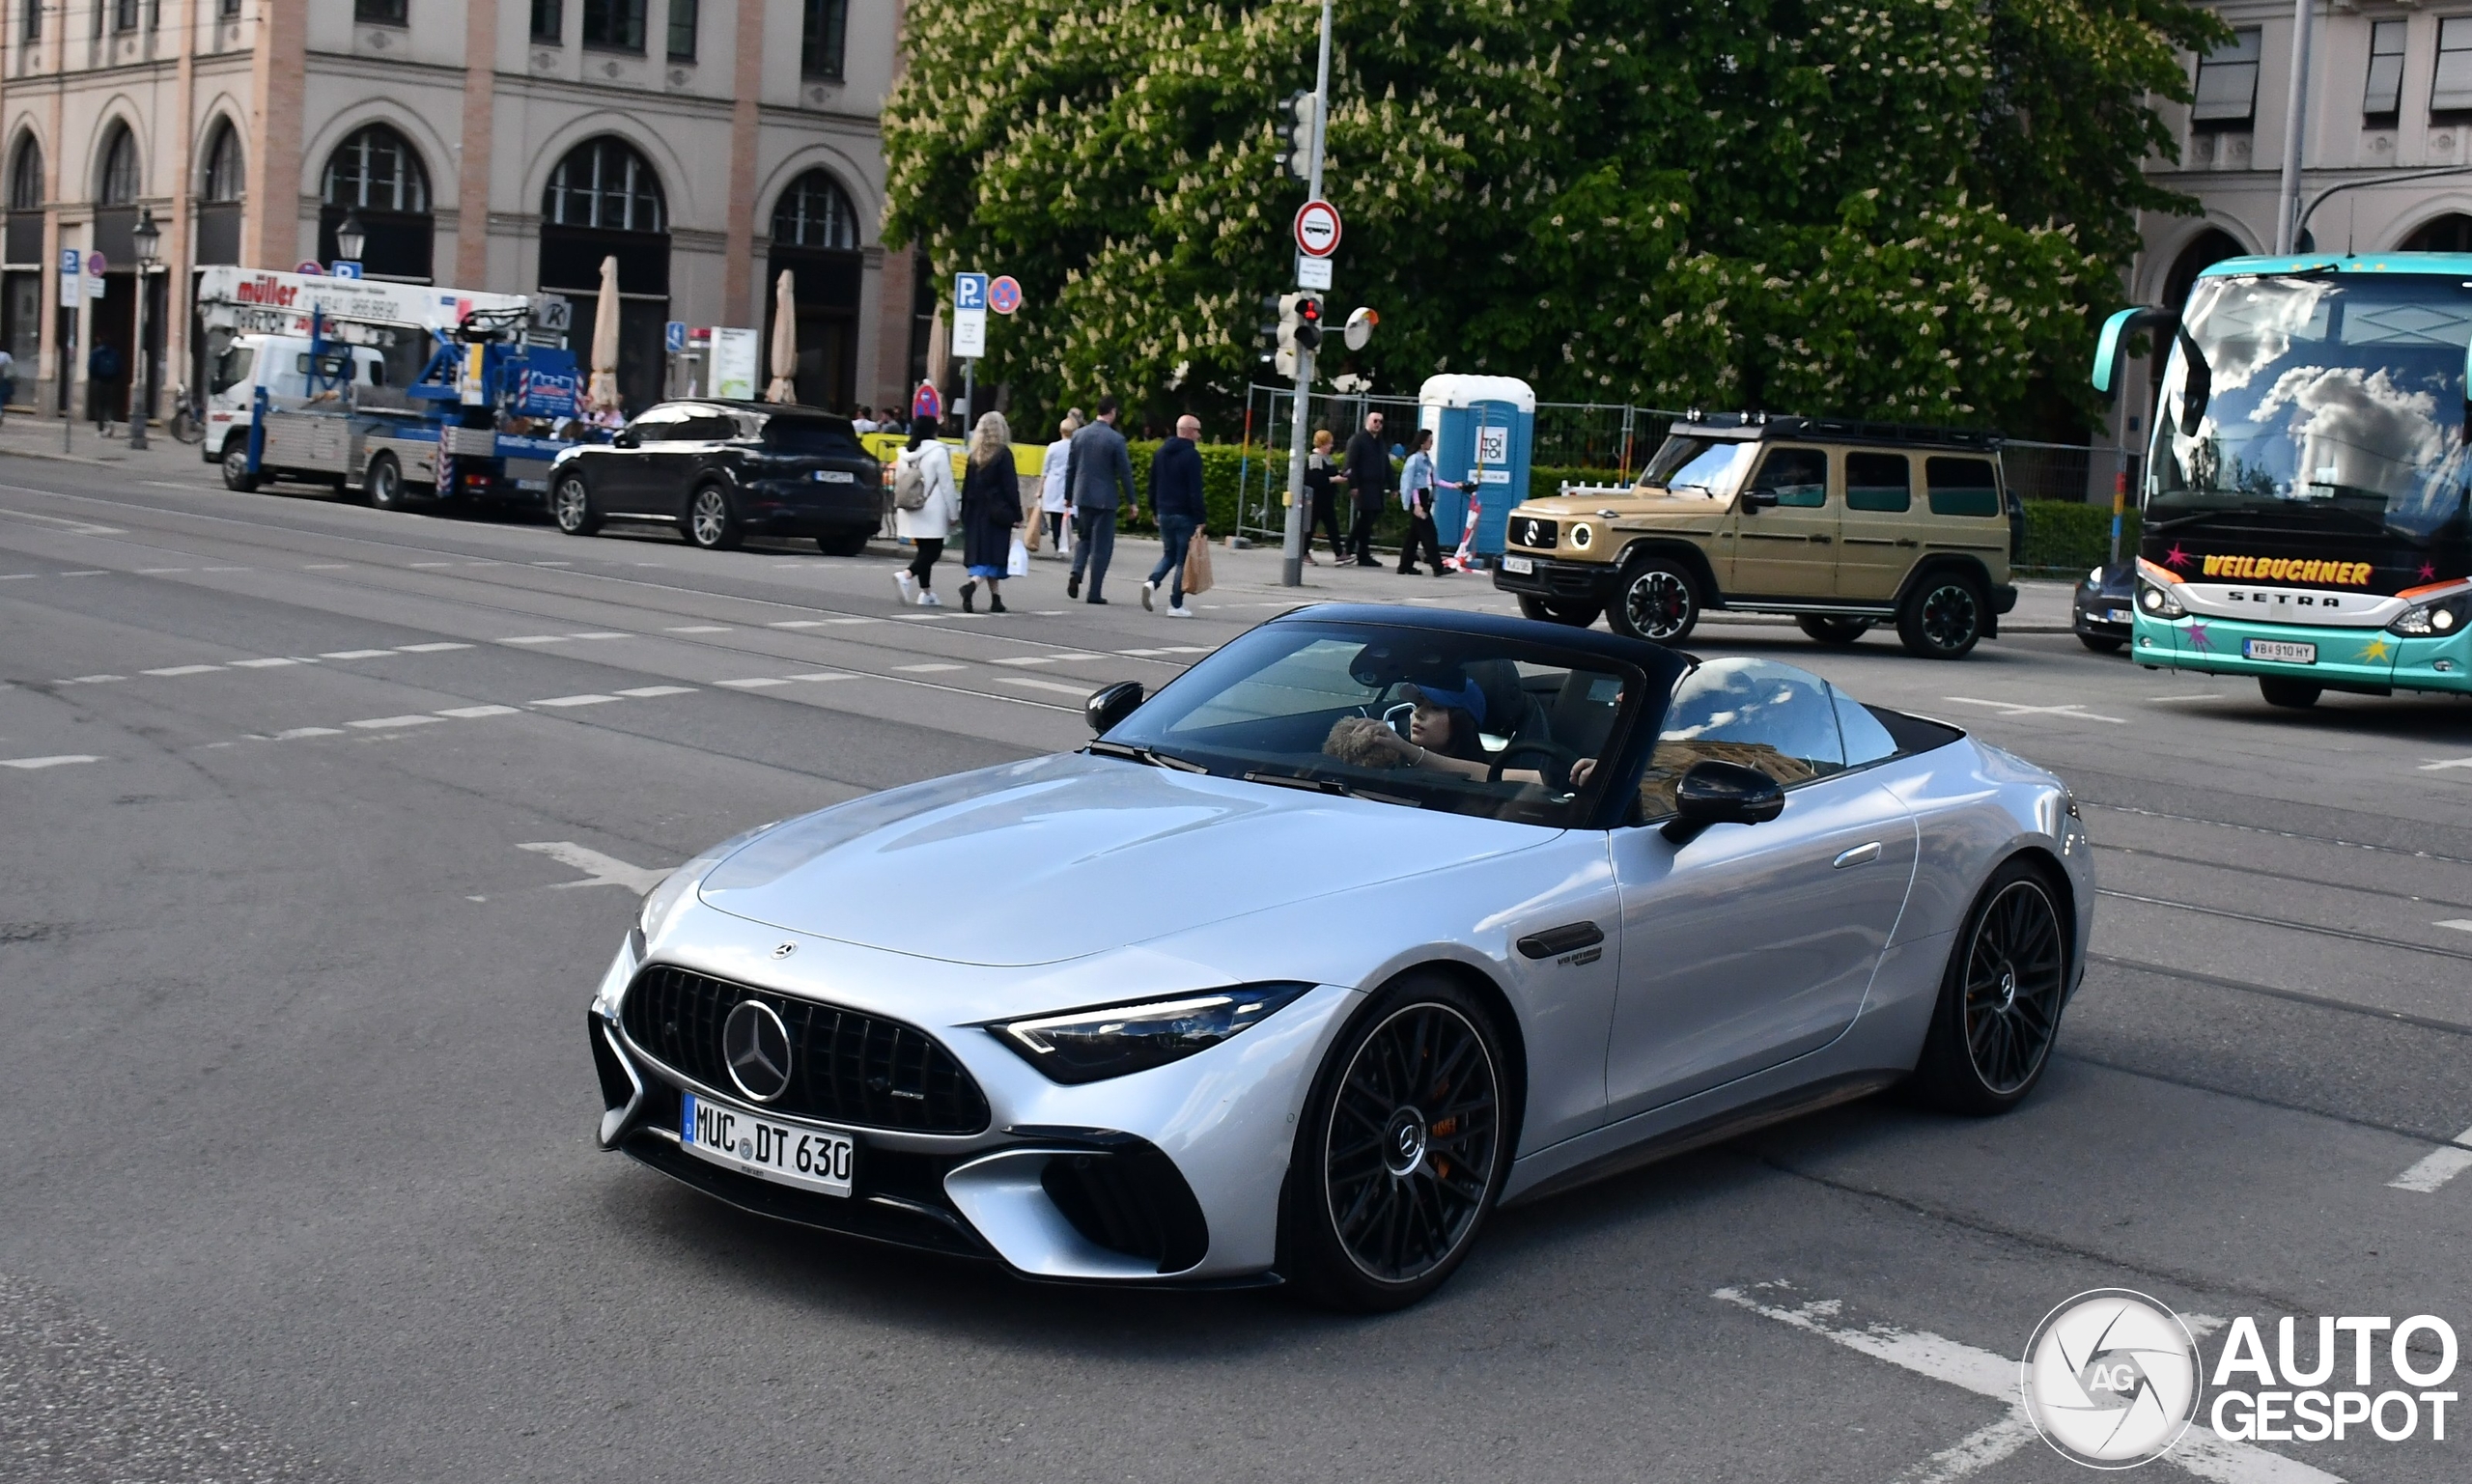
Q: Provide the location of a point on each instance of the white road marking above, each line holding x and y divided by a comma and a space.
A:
921, 616
576, 700
1995, 1377
553, 564
92, 680
2202, 695
536, 639
1137, 654
266, 664
2438, 1166
929, 669
699, 629
2430, 767
91, 571
797, 623
379, 723
430, 649
66, 758
600, 634
223, 568
1044, 684
158, 571
752, 683
433, 564
2460, 924
15, 577
467, 713
307, 731
835, 621
2071, 711
603, 870
826, 675
355, 654
325, 566
64, 523
186, 669
653, 690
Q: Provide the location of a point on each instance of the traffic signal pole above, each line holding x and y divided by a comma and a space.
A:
1292, 564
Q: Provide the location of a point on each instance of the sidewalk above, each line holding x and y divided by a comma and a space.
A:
32, 435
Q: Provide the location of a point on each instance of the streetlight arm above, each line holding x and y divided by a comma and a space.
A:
2405, 177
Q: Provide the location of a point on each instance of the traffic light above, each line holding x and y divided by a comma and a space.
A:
1308, 321
1296, 135
1269, 328
1299, 327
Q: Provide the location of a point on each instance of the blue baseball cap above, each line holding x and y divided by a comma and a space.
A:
1467, 698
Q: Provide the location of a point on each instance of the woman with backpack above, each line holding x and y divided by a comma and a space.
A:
925, 506
991, 511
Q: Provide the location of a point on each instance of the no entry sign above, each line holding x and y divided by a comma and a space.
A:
1317, 229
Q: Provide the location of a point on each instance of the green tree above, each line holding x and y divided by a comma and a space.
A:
1901, 208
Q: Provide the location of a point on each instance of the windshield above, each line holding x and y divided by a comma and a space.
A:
2337, 399
1465, 723
1709, 466
231, 369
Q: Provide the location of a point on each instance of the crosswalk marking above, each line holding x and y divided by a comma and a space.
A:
928, 670
431, 649
642, 691
1043, 684
386, 723
184, 669
578, 700
61, 760
2438, 1166
467, 713
267, 663
355, 654
752, 683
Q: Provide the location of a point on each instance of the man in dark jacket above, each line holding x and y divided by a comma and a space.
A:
1095, 473
1175, 497
102, 380
1368, 476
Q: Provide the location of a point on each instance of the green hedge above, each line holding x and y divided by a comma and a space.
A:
2064, 538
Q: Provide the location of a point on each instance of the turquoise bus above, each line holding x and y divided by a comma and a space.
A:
2303, 499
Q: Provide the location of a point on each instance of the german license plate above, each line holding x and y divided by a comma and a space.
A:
753, 1144
2288, 651
1519, 564
2117, 616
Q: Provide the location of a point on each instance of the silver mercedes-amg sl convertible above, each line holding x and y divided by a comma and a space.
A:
1371, 921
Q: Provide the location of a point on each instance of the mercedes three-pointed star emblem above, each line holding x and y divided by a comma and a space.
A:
756, 1047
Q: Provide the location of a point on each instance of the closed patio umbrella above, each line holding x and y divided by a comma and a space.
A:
785, 339
602, 393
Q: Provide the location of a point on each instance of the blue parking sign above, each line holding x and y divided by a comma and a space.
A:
969, 290
673, 336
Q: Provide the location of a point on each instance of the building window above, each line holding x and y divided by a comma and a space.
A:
123, 15
25, 177
617, 25
682, 30
605, 183
548, 20
2385, 90
118, 184
820, 37
31, 27
815, 211
2451, 89
223, 173
376, 169
385, 13
228, 9
2228, 84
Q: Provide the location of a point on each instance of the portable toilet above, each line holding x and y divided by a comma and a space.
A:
1483, 430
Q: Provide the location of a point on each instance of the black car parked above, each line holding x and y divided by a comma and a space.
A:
719, 471
2102, 611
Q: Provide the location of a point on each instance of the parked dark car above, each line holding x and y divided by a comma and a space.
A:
719, 471
2104, 597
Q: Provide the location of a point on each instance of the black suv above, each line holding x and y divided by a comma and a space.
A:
720, 471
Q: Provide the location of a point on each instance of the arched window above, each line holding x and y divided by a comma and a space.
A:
2448, 233
224, 176
376, 169
605, 183
815, 211
118, 184
25, 177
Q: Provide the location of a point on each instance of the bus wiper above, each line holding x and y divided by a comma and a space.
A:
2196, 385
1150, 755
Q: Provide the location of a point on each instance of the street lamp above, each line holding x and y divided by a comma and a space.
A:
351, 237
146, 239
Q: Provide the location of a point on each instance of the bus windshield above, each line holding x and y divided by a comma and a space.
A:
2335, 399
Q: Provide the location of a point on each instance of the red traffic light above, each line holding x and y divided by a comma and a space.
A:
1310, 310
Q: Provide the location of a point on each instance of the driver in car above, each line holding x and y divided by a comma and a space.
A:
1442, 736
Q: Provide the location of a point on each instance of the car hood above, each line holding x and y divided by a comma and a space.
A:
1061, 858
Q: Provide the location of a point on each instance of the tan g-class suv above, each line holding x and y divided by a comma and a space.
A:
1840, 524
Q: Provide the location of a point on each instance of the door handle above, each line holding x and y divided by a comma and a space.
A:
1566, 939
1819, 540
1859, 856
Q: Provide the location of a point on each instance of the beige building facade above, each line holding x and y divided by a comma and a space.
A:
504, 145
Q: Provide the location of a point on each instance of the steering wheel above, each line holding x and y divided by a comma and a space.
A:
1558, 776
1395, 716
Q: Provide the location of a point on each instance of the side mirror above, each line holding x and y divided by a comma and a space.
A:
625, 438
1761, 498
1111, 705
1713, 793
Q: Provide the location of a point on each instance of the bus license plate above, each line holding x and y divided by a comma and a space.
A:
2288, 651
755, 1145
1519, 564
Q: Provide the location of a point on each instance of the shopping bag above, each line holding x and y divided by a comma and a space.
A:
1198, 563
1016, 562
1037, 531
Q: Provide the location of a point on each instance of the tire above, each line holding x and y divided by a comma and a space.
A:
570, 506
1654, 600
2099, 643
235, 464
2000, 997
1832, 630
383, 483
2297, 694
1575, 612
710, 523
1942, 618
845, 542
1424, 1056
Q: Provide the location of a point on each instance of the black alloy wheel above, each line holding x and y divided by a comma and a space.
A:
845, 542
2101, 643
1654, 600
1401, 1153
710, 522
1575, 612
1832, 630
2297, 694
2000, 1000
571, 507
383, 483
1942, 618
235, 464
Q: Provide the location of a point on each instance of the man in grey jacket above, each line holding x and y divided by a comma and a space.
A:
1096, 472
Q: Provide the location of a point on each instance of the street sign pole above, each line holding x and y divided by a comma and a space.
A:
1291, 568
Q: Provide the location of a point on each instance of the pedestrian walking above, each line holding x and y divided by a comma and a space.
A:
1175, 499
103, 375
8, 383
1053, 505
1321, 487
1417, 484
1368, 480
991, 511
924, 471
1098, 481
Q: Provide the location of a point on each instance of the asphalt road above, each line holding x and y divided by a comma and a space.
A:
343, 812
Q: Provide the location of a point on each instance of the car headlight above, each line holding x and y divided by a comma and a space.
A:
2094, 578
2436, 617
1582, 536
1090, 1046
2158, 601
